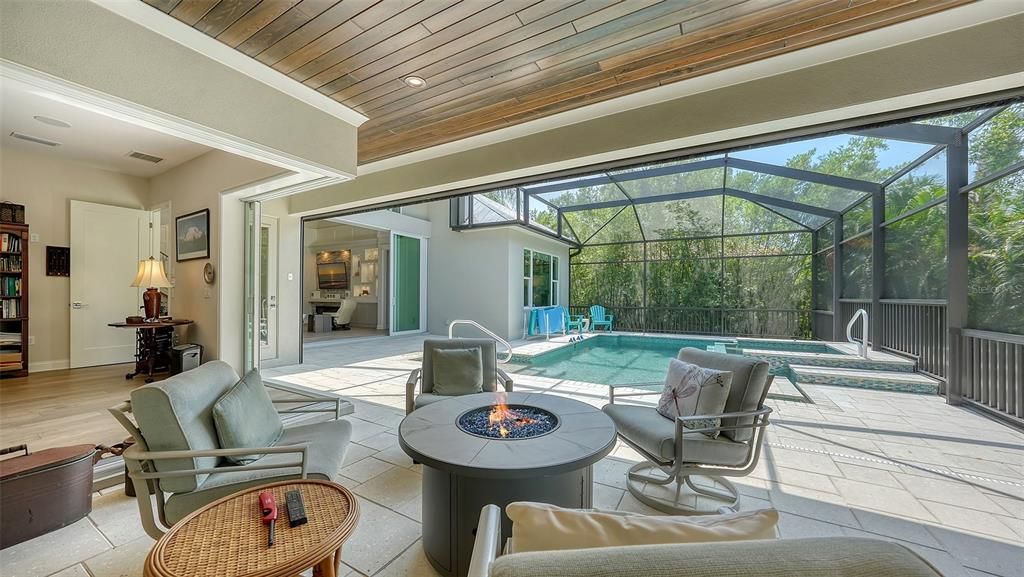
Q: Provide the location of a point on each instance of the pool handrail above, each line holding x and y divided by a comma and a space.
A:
486, 331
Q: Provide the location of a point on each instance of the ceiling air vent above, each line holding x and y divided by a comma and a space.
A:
144, 156
34, 139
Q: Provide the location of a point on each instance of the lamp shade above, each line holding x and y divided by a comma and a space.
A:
151, 274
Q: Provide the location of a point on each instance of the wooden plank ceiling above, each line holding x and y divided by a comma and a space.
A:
489, 64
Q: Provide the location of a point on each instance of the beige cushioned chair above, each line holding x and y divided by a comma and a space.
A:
676, 453
492, 375
825, 557
178, 452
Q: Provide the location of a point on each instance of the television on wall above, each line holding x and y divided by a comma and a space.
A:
332, 275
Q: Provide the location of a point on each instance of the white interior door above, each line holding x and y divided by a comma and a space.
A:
107, 243
268, 288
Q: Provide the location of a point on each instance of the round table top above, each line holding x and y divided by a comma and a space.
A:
430, 436
227, 538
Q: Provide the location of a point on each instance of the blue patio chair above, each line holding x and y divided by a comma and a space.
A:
572, 321
599, 318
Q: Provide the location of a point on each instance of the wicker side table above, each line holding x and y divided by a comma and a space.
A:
227, 538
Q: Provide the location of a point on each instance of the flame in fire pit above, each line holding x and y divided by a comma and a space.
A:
502, 417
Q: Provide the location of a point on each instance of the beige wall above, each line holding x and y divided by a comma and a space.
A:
196, 185
84, 43
46, 186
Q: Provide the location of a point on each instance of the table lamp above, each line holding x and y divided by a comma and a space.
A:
151, 275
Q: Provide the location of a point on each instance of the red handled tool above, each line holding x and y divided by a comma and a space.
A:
268, 508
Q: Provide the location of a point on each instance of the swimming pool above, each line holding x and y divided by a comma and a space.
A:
628, 359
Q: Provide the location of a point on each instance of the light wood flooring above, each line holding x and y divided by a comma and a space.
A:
65, 407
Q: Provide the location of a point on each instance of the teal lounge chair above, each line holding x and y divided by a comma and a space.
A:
598, 318
572, 321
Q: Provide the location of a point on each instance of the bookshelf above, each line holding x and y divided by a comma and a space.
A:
13, 300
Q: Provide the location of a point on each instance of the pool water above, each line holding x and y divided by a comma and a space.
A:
624, 360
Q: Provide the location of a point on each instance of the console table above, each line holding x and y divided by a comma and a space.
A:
153, 342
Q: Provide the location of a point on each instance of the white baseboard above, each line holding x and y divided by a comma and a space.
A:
49, 366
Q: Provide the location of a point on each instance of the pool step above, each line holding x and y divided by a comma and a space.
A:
779, 358
865, 379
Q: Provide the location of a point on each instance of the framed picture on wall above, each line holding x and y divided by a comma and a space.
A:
192, 235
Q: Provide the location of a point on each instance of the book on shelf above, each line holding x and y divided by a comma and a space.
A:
10, 242
9, 339
10, 286
10, 263
11, 309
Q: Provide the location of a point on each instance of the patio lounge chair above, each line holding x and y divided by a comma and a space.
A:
572, 321
492, 375
806, 557
675, 453
177, 451
600, 318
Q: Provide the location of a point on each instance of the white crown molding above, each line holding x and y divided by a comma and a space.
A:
902, 33
55, 88
165, 25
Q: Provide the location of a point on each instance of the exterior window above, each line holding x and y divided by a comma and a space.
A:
540, 279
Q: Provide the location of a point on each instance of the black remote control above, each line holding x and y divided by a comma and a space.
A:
296, 509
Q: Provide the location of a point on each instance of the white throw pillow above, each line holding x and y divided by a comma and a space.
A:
693, 390
544, 527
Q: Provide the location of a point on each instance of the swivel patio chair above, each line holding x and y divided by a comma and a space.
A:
675, 453
178, 456
600, 318
490, 375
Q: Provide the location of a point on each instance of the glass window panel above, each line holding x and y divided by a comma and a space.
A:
692, 283
915, 256
857, 268
586, 222
818, 195
996, 256
617, 286
955, 120
554, 268
622, 228
782, 282
871, 159
567, 231
768, 244
578, 190
824, 274
826, 235
743, 216
916, 188
610, 253
857, 219
541, 279
495, 206
710, 178
684, 249
543, 217
996, 144
682, 218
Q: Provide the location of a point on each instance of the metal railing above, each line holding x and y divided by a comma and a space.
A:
780, 323
821, 325
917, 328
486, 331
992, 374
862, 344
847, 310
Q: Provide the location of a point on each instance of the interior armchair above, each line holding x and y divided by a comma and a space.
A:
449, 368
178, 452
676, 453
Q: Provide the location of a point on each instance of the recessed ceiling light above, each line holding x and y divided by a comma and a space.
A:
52, 121
414, 82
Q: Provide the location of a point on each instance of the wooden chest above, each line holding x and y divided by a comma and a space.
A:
44, 491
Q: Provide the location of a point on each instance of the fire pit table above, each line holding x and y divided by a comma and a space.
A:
549, 446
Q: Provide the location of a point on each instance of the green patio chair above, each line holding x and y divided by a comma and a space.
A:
600, 318
572, 321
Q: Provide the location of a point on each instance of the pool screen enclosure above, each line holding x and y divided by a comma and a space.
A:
920, 223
